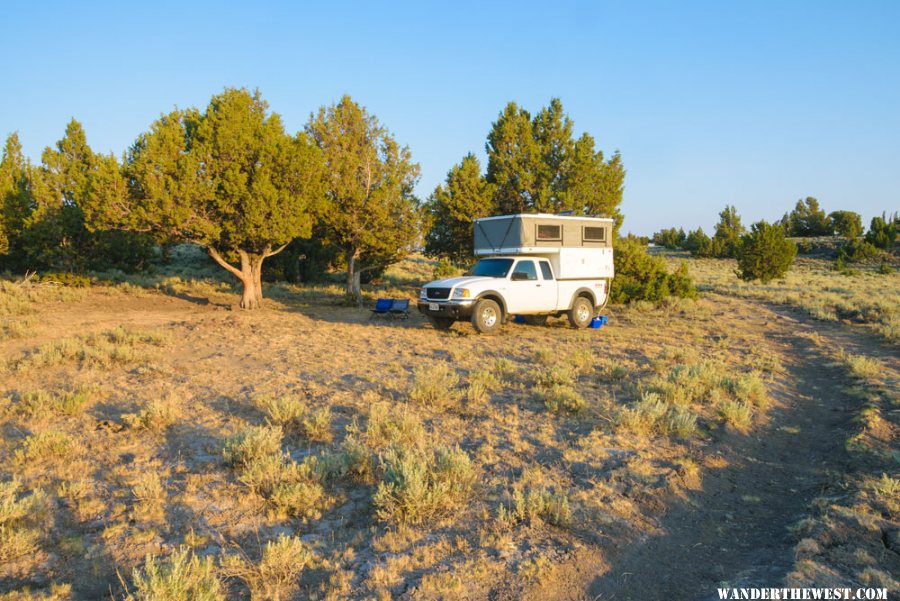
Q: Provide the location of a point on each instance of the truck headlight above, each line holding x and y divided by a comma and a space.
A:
422, 293
461, 293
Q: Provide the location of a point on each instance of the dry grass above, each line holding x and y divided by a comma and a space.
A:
867, 297
403, 456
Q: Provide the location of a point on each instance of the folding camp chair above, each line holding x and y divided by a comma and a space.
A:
382, 308
400, 308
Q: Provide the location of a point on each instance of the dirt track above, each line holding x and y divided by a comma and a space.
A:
735, 530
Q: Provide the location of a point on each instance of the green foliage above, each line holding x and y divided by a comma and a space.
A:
670, 238
846, 223
765, 253
42, 220
454, 206
229, 179
807, 220
373, 216
728, 234
856, 249
698, 243
640, 276
883, 231
538, 166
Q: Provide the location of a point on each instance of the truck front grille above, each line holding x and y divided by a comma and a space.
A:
437, 293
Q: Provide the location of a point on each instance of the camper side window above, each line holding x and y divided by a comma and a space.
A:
594, 234
549, 232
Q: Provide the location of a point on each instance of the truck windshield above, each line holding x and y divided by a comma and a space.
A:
492, 268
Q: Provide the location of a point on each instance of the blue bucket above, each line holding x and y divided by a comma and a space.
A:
518, 319
599, 322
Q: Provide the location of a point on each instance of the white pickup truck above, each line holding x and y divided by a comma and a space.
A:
538, 266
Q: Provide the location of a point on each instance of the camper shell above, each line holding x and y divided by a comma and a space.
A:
578, 247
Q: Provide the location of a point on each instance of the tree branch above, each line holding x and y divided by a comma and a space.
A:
272, 253
218, 259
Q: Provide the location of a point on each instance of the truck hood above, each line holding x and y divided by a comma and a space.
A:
461, 281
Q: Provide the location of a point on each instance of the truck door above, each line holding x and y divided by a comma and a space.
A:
527, 292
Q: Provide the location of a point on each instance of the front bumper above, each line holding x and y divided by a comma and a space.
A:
457, 309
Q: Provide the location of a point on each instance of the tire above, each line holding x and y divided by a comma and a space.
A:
536, 320
487, 317
581, 313
441, 323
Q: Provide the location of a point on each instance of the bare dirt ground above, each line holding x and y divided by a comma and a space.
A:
654, 516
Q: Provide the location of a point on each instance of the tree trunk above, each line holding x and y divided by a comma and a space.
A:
250, 273
251, 269
353, 281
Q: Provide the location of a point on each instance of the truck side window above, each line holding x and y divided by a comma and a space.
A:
524, 270
546, 271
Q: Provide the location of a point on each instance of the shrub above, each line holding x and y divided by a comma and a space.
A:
150, 494
561, 398
736, 414
727, 239
883, 232
39, 403
252, 444
47, 445
846, 223
156, 416
445, 269
392, 426
807, 219
290, 488
856, 250
286, 411
316, 425
276, 576
435, 386
698, 243
650, 415
421, 486
536, 505
765, 253
180, 576
640, 276
18, 516
670, 238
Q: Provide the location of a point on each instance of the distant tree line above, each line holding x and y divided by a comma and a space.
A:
766, 252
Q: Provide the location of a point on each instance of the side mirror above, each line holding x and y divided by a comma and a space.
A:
519, 276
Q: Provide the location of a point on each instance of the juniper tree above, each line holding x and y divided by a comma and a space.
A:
765, 253
229, 179
372, 214
454, 206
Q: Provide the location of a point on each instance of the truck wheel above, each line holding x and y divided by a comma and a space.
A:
487, 316
536, 320
581, 313
441, 323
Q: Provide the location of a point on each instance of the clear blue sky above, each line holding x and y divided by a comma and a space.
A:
755, 103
